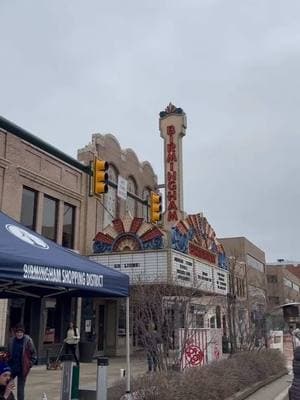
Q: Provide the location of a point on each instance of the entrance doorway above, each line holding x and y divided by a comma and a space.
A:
100, 328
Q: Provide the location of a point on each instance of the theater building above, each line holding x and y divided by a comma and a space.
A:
49, 192
182, 250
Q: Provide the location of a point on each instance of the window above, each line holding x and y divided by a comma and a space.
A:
252, 262
68, 226
110, 198
274, 300
287, 282
296, 287
131, 205
212, 322
50, 218
146, 195
28, 208
272, 279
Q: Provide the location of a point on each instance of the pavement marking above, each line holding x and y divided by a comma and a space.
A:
283, 394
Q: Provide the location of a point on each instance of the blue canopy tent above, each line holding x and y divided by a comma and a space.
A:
31, 265
34, 266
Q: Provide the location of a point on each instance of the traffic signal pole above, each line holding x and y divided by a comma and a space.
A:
149, 202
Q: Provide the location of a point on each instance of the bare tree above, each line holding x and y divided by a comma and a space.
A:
246, 318
159, 311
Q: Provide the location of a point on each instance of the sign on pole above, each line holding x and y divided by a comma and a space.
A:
122, 188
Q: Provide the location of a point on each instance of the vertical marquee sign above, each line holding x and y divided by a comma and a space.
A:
172, 125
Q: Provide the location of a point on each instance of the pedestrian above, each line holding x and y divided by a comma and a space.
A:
6, 383
71, 341
22, 357
152, 342
295, 337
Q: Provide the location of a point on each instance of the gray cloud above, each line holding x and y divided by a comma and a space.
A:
69, 69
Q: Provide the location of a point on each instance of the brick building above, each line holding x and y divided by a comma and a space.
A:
283, 283
248, 279
48, 191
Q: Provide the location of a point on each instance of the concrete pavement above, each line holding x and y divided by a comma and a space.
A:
41, 380
277, 390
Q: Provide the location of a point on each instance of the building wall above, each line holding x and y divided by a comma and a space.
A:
126, 164
252, 262
283, 285
254, 258
23, 164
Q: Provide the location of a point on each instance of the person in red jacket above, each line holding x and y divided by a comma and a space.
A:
22, 357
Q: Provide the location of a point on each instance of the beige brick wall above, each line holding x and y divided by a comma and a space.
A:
127, 164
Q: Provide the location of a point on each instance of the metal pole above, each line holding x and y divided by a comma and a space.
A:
128, 372
101, 388
67, 372
78, 313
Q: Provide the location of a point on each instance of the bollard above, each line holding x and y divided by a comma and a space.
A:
67, 374
101, 388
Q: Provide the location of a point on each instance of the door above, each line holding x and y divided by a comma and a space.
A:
101, 323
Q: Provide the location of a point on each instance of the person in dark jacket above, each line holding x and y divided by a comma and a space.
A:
22, 357
6, 383
152, 342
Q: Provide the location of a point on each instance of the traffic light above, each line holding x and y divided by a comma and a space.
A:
100, 176
155, 207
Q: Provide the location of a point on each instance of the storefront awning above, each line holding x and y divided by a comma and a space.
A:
31, 265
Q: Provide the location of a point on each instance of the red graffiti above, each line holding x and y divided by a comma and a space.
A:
194, 355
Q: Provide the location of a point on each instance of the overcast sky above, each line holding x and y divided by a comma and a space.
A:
72, 68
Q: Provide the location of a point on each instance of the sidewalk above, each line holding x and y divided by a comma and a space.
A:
277, 390
41, 380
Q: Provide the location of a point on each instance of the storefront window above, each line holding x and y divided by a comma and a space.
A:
131, 205
57, 316
50, 331
146, 195
50, 218
68, 226
122, 318
28, 209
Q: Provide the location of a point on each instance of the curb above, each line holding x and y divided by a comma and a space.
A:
242, 395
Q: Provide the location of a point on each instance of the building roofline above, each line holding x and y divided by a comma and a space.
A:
16, 130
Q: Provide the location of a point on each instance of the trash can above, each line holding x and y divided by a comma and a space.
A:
86, 351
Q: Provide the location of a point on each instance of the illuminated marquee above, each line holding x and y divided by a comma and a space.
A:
171, 175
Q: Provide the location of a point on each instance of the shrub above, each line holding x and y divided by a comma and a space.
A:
216, 381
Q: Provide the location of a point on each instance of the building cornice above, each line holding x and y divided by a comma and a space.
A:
25, 173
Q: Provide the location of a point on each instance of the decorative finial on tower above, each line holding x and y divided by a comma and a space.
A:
171, 109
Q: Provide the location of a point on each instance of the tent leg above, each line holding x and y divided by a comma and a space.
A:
78, 314
128, 372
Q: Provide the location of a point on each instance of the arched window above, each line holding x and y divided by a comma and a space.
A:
110, 198
146, 195
131, 205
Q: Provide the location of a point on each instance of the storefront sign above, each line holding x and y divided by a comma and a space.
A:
88, 326
122, 188
199, 252
172, 126
171, 175
62, 276
153, 266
